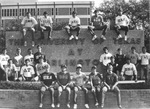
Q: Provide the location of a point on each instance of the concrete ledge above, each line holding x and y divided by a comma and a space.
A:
29, 99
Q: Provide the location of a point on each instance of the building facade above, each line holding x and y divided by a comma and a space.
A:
59, 11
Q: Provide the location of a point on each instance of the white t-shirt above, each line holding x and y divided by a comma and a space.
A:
129, 69
27, 71
41, 68
10, 70
144, 57
18, 61
4, 60
31, 58
46, 21
29, 22
122, 20
105, 58
79, 79
74, 21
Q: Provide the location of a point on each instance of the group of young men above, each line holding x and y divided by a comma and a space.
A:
96, 23
34, 67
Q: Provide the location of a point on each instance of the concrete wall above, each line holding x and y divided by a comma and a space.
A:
29, 99
60, 50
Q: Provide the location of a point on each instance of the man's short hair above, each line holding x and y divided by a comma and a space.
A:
45, 13
105, 48
27, 13
27, 60
96, 11
74, 12
133, 48
39, 46
9, 60
119, 49
29, 49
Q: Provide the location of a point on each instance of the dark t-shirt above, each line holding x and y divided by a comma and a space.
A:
37, 55
97, 21
48, 78
114, 67
120, 60
96, 79
63, 78
111, 79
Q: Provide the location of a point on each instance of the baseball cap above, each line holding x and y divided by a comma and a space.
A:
63, 66
79, 66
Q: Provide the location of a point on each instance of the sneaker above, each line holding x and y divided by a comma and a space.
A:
49, 37
96, 104
119, 36
120, 107
102, 106
76, 37
25, 43
103, 37
86, 106
94, 37
71, 37
41, 105
125, 38
58, 105
33, 43
75, 106
53, 106
68, 105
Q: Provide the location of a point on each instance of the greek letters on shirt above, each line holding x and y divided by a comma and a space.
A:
46, 77
121, 19
63, 76
39, 68
106, 58
129, 69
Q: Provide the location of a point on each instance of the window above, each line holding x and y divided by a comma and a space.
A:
7, 12
10, 12
52, 11
56, 11
2, 12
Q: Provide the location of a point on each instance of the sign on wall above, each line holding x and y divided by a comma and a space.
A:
60, 50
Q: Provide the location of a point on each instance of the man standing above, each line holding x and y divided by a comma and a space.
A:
105, 59
145, 58
30, 56
80, 80
120, 60
18, 61
28, 23
63, 80
46, 25
39, 54
3, 62
122, 23
110, 84
74, 25
11, 71
97, 23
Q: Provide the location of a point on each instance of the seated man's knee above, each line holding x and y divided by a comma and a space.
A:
67, 27
98, 89
60, 89
76, 89
104, 89
24, 30
51, 89
43, 89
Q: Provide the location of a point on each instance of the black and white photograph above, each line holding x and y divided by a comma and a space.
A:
74, 54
